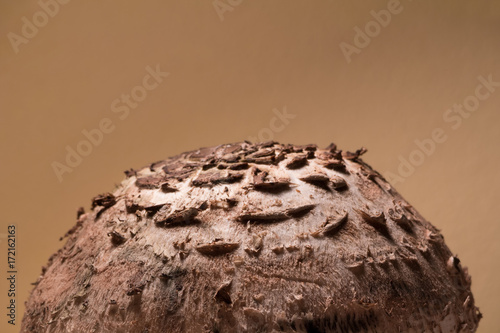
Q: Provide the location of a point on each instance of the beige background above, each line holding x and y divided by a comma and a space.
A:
226, 77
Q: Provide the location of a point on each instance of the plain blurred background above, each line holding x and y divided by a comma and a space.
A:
293, 71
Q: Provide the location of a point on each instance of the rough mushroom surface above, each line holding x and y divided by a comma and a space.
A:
253, 238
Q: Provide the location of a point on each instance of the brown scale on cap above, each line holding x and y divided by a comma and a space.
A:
177, 217
212, 178
338, 182
334, 224
316, 178
150, 182
116, 238
105, 200
217, 247
297, 162
223, 293
398, 215
253, 238
263, 181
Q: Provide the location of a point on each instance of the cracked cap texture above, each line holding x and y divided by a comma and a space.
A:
253, 238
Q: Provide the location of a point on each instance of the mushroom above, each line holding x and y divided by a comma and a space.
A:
253, 238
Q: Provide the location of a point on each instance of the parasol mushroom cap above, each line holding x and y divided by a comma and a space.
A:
253, 238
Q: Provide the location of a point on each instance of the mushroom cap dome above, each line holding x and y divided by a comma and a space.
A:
253, 238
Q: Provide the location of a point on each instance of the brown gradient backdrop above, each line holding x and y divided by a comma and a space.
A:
225, 79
